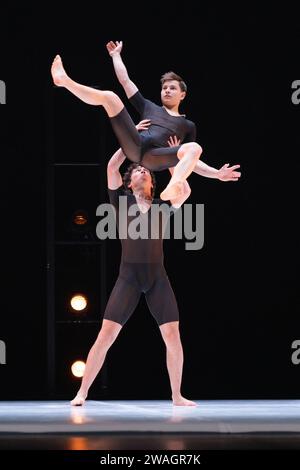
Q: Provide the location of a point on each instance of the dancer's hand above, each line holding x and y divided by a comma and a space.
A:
114, 47
228, 173
173, 141
143, 125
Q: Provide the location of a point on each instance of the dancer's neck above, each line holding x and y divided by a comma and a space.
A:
142, 196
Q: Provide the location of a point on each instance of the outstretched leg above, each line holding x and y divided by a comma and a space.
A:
96, 356
121, 303
188, 155
109, 100
122, 124
171, 337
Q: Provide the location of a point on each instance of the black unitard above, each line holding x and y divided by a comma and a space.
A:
142, 268
150, 147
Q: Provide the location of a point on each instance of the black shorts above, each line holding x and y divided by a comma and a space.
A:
132, 144
135, 279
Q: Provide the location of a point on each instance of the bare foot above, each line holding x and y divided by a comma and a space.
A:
58, 72
78, 400
172, 191
181, 401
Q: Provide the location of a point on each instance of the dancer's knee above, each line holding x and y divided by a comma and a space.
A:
170, 332
112, 103
110, 96
109, 332
193, 148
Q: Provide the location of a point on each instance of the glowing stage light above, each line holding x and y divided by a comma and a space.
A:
81, 226
78, 302
80, 218
77, 368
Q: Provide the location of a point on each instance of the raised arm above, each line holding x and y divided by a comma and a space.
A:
114, 178
114, 50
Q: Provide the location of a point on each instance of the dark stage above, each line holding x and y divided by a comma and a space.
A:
238, 294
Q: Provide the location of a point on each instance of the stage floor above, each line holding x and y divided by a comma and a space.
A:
218, 417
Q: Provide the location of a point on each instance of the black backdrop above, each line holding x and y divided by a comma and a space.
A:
238, 296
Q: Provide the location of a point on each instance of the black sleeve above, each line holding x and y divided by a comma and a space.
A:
138, 102
114, 194
191, 136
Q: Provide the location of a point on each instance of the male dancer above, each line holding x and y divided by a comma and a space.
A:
165, 120
141, 270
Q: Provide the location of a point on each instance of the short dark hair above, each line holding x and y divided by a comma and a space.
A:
173, 76
127, 177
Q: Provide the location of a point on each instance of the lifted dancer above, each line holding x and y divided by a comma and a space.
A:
154, 153
165, 120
